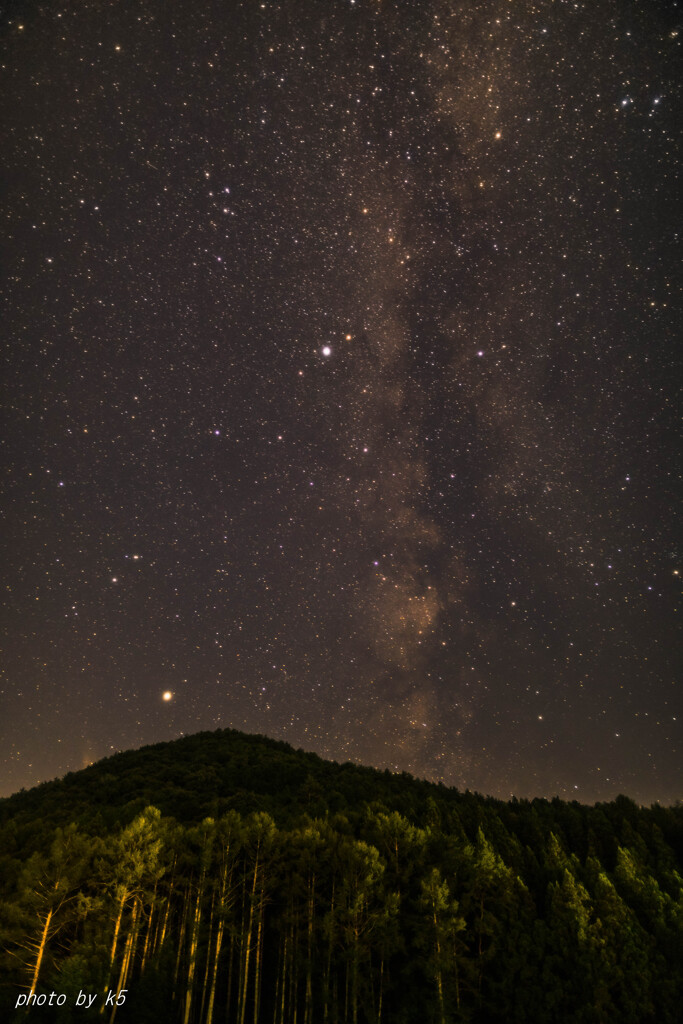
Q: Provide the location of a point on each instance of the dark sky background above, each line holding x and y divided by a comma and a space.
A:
340, 386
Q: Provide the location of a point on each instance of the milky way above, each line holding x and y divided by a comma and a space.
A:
339, 402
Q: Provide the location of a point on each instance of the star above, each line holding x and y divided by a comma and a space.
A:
306, 238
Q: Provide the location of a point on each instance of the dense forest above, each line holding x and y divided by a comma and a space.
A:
230, 878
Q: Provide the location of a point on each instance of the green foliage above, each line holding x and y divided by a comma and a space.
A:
229, 877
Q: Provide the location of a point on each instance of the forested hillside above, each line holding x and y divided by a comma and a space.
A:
225, 877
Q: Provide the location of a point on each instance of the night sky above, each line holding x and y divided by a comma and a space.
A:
339, 386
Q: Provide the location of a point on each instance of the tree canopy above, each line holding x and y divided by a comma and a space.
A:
225, 877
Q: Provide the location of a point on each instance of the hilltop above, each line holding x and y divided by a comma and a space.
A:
224, 872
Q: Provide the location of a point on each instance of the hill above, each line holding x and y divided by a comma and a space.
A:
225, 876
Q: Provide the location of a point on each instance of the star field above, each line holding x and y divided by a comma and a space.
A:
339, 390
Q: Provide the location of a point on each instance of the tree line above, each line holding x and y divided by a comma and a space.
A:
470, 910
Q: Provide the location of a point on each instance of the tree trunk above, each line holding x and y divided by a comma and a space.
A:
159, 941
41, 950
112, 955
354, 977
226, 881
283, 993
259, 956
208, 957
231, 968
480, 968
181, 940
194, 939
128, 953
439, 980
247, 948
214, 972
328, 966
293, 973
276, 998
457, 976
148, 934
381, 990
308, 1005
